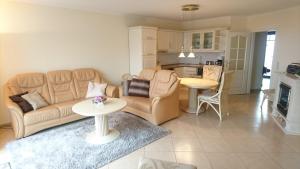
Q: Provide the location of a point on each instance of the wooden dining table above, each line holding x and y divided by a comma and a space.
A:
194, 85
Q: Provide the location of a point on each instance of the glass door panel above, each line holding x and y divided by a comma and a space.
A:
240, 64
208, 40
233, 54
196, 41
234, 42
241, 53
242, 42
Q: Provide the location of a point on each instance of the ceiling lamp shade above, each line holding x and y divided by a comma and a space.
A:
192, 54
181, 55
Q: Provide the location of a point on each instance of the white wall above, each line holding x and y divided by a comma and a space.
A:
207, 23
287, 25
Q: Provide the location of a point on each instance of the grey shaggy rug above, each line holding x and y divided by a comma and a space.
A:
64, 147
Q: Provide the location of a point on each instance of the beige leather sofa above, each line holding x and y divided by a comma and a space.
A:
163, 104
61, 89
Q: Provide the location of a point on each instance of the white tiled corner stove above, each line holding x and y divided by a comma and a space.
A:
286, 106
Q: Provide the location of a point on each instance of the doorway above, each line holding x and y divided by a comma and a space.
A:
262, 60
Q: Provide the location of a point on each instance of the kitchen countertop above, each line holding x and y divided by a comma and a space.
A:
172, 66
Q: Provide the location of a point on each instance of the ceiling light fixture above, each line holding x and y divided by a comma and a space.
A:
188, 8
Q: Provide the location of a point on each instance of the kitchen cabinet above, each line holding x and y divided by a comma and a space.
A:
213, 40
169, 41
142, 48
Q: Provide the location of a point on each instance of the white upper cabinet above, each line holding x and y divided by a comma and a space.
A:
169, 41
205, 40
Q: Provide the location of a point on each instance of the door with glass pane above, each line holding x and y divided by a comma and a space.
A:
237, 59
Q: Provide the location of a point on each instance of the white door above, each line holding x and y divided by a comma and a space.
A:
237, 60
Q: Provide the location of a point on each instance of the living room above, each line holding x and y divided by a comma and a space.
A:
63, 40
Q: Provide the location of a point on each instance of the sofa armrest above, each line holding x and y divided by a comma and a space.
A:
112, 91
165, 107
16, 114
120, 91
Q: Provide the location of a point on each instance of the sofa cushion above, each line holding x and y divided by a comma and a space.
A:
65, 108
162, 82
61, 86
41, 115
29, 82
82, 77
140, 103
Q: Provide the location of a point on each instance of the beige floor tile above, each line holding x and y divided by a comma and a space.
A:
225, 161
104, 167
164, 144
271, 145
258, 161
243, 145
207, 132
195, 158
215, 145
128, 162
187, 144
287, 160
161, 155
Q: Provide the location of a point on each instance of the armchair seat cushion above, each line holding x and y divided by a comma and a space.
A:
139, 103
41, 115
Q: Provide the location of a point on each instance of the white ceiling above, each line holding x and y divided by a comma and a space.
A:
170, 9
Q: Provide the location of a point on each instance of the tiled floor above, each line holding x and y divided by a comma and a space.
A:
247, 139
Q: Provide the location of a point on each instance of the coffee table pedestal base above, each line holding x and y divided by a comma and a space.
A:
93, 138
102, 134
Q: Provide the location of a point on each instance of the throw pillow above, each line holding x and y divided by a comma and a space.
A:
22, 103
139, 87
96, 89
35, 100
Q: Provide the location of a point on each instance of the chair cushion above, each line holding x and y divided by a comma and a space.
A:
41, 115
206, 96
140, 103
65, 108
212, 72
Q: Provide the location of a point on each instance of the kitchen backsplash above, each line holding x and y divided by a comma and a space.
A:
172, 58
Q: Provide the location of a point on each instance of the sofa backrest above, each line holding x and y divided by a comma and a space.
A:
162, 83
61, 86
30, 82
81, 80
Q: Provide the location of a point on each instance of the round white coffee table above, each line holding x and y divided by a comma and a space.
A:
102, 133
